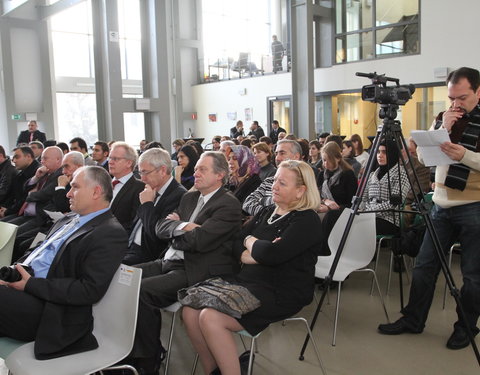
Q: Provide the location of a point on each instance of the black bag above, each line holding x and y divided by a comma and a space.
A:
412, 238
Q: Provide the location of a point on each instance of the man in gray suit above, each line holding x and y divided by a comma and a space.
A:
200, 233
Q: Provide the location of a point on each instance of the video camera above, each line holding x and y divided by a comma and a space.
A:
379, 92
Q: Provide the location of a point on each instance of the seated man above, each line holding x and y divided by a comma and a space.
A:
73, 269
7, 175
201, 247
160, 197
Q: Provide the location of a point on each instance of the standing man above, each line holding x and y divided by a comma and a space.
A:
73, 269
276, 129
32, 134
455, 215
237, 130
200, 234
126, 188
256, 130
277, 54
160, 197
79, 144
100, 154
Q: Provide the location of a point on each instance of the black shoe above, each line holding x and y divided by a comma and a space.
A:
459, 338
244, 360
397, 328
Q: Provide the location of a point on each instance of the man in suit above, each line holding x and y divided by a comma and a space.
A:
27, 165
237, 130
7, 175
37, 148
200, 233
100, 154
126, 188
276, 129
32, 134
160, 197
83, 252
256, 130
79, 144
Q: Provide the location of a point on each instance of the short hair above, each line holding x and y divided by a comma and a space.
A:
130, 153
216, 138
239, 122
333, 151
324, 135
157, 157
291, 136
96, 175
26, 151
103, 145
178, 142
255, 122
315, 143
63, 146
305, 148
357, 138
334, 138
294, 145
262, 146
154, 144
305, 177
38, 143
246, 142
76, 158
471, 75
275, 121
266, 140
50, 142
81, 142
2, 151
220, 164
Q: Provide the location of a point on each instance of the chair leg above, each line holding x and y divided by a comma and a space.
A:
445, 287
334, 340
250, 361
169, 347
377, 252
195, 362
379, 293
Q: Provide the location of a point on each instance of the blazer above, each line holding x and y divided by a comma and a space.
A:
208, 248
24, 137
19, 191
126, 202
150, 214
7, 175
79, 276
274, 134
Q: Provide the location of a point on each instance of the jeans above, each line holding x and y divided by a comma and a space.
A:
460, 223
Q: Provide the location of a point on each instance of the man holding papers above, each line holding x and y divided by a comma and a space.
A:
456, 213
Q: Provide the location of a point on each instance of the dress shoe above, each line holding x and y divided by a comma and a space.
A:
397, 328
459, 338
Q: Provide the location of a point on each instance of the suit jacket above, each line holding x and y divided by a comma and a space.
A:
78, 277
19, 191
257, 132
24, 137
274, 134
150, 214
234, 133
126, 202
208, 248
7, 175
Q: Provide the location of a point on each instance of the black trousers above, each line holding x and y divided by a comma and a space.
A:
161, 279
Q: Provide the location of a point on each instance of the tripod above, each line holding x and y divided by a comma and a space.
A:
391, 130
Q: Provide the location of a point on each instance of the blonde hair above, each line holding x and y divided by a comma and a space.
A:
305, 177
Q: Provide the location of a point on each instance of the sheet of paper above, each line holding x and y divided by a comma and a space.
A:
54, 215
428, 143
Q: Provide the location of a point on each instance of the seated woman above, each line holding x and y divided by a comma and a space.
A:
360, 154
386, 189
187, 157
349, 156
244, 170
314, 155
263, 153
278, 269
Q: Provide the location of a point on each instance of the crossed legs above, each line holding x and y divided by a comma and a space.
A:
210, 332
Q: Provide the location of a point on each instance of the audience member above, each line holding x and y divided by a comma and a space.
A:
84, 252
322, 138
335, 138
64, 147
126, 188
291, 137
360, 154
246, 142
37, 148
263, 153
200, 232
278, 269
276, 130
348, 154
187, 158
314, 157
32, 134
7, 175
160, 197
196, 145
100, 154
79, 144
304, 144
49, 142
216, 143
256, 130
225, 147
237, 130
281, 136
154, 144
142, 145
177, 145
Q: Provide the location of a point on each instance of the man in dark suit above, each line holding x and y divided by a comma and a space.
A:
256, 130
160, 197
276, 129
200, 233
7, 175
126, 188
32, 134
100, 154
237, 130
83, 252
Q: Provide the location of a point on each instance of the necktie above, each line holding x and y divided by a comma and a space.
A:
136, 235
31, 137
197, 209
37, 187
115, 183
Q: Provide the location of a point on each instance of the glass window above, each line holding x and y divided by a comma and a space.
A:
134, 127
390, 12
397, 40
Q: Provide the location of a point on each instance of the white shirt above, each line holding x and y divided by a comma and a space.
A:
119, 186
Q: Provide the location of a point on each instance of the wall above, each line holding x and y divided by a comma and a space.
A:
446, 41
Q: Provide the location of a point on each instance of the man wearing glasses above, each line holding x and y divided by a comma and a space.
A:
160, 197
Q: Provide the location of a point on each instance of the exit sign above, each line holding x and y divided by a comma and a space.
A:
16, 117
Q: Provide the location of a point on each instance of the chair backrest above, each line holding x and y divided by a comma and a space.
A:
7, 239
359, 248
116, 313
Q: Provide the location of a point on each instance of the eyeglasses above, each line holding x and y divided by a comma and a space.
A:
115, 158
145, 173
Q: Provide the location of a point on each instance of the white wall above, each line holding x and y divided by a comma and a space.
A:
449, 38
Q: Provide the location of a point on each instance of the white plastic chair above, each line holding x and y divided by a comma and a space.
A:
7, 239
357, 254
115, 319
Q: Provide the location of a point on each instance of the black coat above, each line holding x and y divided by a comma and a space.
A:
7, 175
19, 191
24, 137
125, 204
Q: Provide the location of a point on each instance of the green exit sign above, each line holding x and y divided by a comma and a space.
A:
16, 117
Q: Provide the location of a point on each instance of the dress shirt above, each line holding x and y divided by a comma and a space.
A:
42, 257
119, 186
